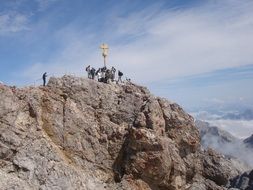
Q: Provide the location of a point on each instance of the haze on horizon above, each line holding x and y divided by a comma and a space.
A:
197, 53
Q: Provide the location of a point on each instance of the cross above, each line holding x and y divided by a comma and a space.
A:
104, 48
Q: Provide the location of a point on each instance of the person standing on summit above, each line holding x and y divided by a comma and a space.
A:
88, 69
44, 77
120, 74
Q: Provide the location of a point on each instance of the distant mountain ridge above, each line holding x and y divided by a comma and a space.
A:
249, 142
207, 130
225, 143
245, 115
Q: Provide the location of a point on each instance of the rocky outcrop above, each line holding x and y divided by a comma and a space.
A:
249, 142
80, 134
242, 182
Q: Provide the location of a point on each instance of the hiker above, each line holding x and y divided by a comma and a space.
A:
128, 80
113, 71
44, 77
88, 71
92, 73
99, 74
107, 76
103, 70
120, 74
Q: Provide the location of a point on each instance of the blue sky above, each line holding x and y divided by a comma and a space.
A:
197, 53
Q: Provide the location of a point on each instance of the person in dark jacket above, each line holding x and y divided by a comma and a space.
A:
88, 69
113, 71
120, 74
44, 77
93, 72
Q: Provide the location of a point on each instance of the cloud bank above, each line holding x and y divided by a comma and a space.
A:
235, 149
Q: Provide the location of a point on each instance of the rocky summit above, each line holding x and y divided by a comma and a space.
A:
77, 133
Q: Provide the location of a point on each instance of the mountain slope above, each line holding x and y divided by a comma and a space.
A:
80, 134
225, 143
208, 132
249, 142
242, 182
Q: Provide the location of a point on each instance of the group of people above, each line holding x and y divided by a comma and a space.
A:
103, 74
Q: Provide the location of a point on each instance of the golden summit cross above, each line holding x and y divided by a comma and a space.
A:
105, 49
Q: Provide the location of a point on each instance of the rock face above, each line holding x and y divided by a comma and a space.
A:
242, 182
249, 142
80, 134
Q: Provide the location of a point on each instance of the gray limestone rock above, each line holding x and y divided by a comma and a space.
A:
77, 133
242, 182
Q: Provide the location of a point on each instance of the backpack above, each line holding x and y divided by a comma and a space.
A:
120, 73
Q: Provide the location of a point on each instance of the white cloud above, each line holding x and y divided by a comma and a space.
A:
44, 4
236, 148
71, 60
156, 44
215, 101
190, 42
12, 22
